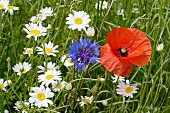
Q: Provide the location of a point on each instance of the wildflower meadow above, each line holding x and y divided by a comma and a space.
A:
84, 56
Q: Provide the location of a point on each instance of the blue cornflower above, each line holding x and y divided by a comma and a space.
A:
84, 52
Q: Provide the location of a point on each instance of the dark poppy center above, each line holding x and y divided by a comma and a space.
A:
123, 52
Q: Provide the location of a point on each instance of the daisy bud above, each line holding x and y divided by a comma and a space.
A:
9, 82
102, 79
90, 32
104, 102
57, 4
160, 47
49, 26
69, 86
94, 90
19, 105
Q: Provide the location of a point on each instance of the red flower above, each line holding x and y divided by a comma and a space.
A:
125, 47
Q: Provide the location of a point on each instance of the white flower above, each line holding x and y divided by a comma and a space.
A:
21, 68
160, 47
57, 86
67, 61
35, 30
90, 32
3, 84
86, 100
4, 4
79, 20
50, 77
28, 51
102, 5
6, 111
11, 9
48, 49
49, 66
126, 89
120, 12
135, 10
22, 106
47, 11
40, 96
37, 19
104, 102
116, 78
69, 86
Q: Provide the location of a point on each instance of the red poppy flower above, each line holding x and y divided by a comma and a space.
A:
125, 47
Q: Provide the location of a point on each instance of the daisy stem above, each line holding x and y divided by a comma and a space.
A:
100, 29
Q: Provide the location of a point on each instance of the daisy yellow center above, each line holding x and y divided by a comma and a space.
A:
103, 5
41, 96
48, 50
87, 101
10, 7
23, 70
35, 32
128, 89
78, 20
48, 69
1, 86
1, 6
48, 14
29, 51
59, 86
49, 77
69, 60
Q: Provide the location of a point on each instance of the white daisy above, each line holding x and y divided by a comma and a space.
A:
116, 78
37, 19
57, 86
102, 5
48, 49
22, 106
21, 68
28, 51
126, 89
6, 111
47, 11
135, 10
160, 47
40, 96
11, 9
90, 32
120, 12
50, 77
86, 100
4, 4
67, 61
79, 20
47, 67
35, 30
3, 84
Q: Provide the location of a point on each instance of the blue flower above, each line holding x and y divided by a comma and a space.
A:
84, 52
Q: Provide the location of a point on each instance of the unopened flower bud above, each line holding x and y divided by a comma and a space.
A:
102, 79
90, 32
104, 102
49, 26
160, 47
9, 82
69, 86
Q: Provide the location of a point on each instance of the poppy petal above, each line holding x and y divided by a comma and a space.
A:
140, 51
119, 38
112, 63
